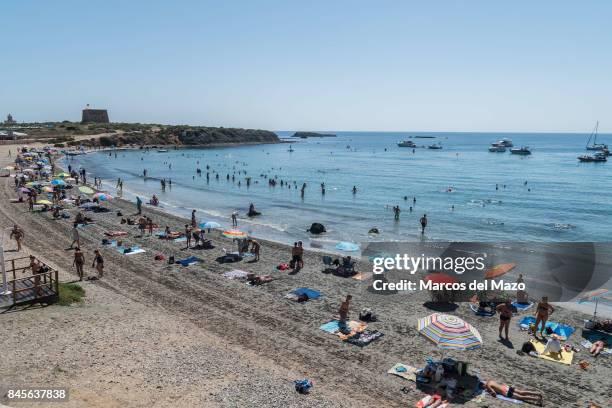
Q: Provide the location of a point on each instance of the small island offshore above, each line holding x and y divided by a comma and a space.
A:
306, 135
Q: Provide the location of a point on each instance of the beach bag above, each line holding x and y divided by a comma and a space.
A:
105, 241
303, 386
528, 347
549, 331
171, 259
367, 315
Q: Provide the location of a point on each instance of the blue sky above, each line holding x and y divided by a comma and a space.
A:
335, 65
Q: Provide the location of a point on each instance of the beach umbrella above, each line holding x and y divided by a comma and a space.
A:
347, 246
42, 202
209, 224
58, 182
234, 233
24, 190
86, 190
449, 332
62, 175
499, 270
440, 278
593, 295
28, 170
103, 196
48, 189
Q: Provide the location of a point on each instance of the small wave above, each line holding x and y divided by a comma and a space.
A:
561, 226
492, 221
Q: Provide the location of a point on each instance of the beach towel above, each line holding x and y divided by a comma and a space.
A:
189, 261
566, 356
311, 293
350, 329
236, 274
361, 276
482, 313
365, 337
562, 330
115, 233
405, 371
521, 307
512, 400
130, 251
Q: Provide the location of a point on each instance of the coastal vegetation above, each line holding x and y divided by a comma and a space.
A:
68, 134
70, 293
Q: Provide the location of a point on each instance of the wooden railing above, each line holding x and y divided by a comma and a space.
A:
40, 287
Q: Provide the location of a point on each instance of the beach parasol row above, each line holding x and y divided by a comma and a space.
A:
449, 332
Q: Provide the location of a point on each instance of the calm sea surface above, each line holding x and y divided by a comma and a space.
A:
563, 200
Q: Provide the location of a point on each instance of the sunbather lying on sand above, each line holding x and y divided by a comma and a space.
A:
597, 348
494, 388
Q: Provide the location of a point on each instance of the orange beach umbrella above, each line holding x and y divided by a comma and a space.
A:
499, 270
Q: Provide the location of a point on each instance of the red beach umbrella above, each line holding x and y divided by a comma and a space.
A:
499, 270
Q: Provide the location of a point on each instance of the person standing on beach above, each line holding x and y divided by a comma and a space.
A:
76, 239
423, 223
139, 205
79, 261
505, 314
142, 225
300, 255
98, 263
188, 235
193, 219
542, 312
150, 225
18, 234
344, 309
30, 203
234, 219
255, 248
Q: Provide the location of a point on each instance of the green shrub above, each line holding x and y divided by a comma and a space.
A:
70, 293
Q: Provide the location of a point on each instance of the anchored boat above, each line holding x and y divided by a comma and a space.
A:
522, 151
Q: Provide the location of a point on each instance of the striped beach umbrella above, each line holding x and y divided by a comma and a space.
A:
103, 196
234, 233
449, 332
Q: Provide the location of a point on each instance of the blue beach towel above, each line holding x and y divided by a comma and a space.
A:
312, 294
521, 307
189, 261
557, 328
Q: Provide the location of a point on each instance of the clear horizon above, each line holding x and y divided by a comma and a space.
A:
473, 67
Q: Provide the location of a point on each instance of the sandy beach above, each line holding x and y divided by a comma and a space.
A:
153, 334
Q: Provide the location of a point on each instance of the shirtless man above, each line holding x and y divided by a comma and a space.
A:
79, 261
494, 388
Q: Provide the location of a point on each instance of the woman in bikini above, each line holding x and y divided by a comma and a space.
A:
98, 263
543, 311
494, 388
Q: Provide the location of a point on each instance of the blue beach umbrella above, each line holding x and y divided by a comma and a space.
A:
209, 224
58, 182
347, 246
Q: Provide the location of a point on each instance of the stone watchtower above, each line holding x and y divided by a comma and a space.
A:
94, 115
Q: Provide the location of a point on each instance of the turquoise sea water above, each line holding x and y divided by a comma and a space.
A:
568, 201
